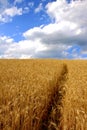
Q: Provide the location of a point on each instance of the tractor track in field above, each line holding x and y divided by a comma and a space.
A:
49, 121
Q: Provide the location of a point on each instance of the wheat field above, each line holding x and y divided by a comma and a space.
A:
75, 100
44, 94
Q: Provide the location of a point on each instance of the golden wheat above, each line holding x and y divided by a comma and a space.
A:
43, 94
26, 87
75, 100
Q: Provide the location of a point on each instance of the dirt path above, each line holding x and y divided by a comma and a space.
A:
52, 116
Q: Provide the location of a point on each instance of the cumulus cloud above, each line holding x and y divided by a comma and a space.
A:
8, 11
5, 43
59, 39
34, 46
61, 10
22, 49
71, 18
13, 11
68, 30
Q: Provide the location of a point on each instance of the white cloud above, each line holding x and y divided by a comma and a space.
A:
25, 48
39, 8
9, 13
61, 10
4, 39
5, 43
71, 18
54, 40
13, 11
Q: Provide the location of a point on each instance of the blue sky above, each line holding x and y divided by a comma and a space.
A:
29, 19
43, 29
